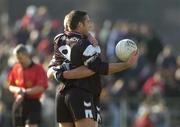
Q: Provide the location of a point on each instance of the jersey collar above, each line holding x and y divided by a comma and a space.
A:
73, 33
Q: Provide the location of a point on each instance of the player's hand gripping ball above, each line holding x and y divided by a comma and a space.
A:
124, 48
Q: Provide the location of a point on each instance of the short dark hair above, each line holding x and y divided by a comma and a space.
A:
20, 49
74, 17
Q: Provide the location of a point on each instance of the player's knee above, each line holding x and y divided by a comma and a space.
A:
66, 124
86, 122
31, 125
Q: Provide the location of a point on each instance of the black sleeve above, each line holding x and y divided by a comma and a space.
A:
98, 66
91, 59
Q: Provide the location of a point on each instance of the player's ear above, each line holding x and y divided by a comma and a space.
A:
80, 24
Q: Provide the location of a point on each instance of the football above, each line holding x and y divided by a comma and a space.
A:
124, 48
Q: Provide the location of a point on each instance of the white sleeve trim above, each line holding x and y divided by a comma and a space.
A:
91, 50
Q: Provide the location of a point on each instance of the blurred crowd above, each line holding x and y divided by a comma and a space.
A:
133, 98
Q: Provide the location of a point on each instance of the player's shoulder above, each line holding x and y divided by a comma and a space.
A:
60, 36
17, 65
84, 42
90, 50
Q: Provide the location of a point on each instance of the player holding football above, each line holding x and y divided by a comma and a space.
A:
77, 105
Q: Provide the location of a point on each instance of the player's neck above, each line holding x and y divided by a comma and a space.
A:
28, 64
77, 32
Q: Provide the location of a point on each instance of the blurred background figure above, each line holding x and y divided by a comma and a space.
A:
154, 85
27, 81
152, 112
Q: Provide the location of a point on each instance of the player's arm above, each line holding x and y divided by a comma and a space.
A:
97, 66
14, 89
84, 71
34, 90
28, 91
93, 64
11, 81
77, 73
117, 67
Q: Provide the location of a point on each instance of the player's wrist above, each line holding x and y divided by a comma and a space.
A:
59, 71
58, 75
127, 64
22, 91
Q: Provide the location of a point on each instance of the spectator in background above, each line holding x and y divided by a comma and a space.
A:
152, 41
28, 17
27, 80
22, 35
153, 112
177, 76
143, 117
166, 58
154, 85
167, 62
3, 120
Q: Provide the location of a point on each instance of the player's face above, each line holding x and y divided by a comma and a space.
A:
22, 59
86, 25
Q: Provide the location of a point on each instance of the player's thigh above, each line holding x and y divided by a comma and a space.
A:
86, 122
32, 112
31, 125
80, 104
66, 124
18, 117
63, 115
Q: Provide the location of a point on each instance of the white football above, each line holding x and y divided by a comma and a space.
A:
124, 48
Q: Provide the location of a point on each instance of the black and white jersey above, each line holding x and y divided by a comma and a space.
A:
77, 49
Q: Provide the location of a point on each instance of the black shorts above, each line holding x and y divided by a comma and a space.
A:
27, 112
74, 104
